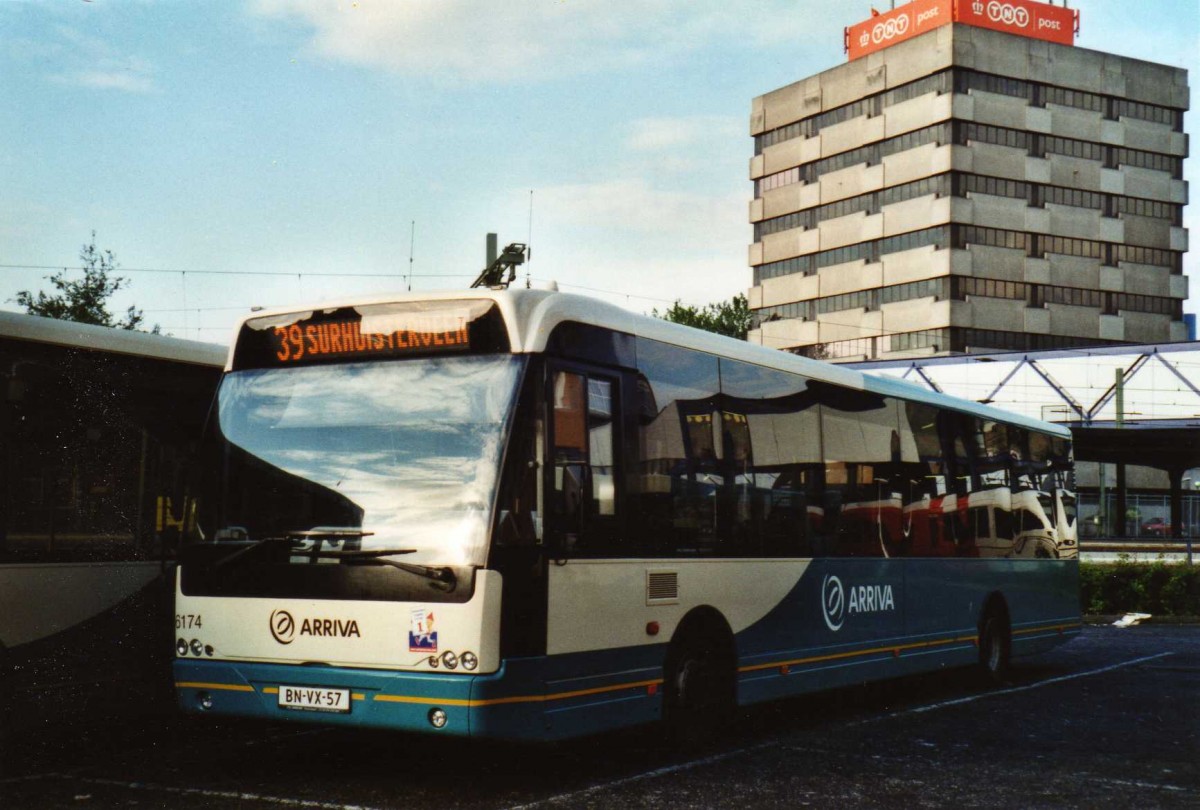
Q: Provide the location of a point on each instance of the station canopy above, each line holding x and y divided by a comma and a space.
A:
1125, 404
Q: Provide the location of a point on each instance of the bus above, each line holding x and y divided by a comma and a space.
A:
95, 428
530, 515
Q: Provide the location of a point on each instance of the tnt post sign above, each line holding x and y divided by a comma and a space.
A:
1021, 17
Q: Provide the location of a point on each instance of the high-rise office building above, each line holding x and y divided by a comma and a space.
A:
969, 180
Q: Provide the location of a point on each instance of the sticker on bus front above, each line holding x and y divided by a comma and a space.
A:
421, 635
314, 699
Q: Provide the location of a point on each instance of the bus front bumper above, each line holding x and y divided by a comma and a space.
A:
496, 705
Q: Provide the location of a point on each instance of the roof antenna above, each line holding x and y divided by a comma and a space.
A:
529, 242
412, 238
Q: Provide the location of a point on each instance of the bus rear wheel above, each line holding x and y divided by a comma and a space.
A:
995, 646
699, 691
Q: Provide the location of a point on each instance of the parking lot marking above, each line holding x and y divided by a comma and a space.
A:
12, 780
1037, 685
238, 795
1140, 784
572, 797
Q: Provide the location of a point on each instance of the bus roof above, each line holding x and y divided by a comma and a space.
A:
36, 329
532, 315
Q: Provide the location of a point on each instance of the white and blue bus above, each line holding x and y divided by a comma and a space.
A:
96, 426
531, 515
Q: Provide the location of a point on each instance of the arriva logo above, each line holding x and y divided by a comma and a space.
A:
862, 599
833, 603
283, 627
1008, 14
895, 27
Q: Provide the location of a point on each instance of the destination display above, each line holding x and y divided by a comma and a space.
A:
346, 339
371, 332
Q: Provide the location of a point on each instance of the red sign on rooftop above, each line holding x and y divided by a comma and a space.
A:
1025, 18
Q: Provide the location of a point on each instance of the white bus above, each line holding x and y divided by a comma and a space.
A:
531, 515
95, 427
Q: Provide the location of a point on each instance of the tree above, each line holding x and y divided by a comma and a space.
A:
730, 318
85, 300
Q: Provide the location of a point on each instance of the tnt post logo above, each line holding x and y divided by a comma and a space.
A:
1008, 14
890, 29
833, 602
283, 626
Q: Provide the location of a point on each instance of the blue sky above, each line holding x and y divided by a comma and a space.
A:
305, 138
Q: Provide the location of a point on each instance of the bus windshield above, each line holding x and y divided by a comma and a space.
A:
366, 457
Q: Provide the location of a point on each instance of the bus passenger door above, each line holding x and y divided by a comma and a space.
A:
596, 587
583, 467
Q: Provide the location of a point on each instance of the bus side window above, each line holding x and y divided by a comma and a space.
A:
584, 465
600, 446
570, 449
675, 488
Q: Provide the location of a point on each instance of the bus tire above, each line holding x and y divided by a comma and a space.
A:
699, 682
995, 644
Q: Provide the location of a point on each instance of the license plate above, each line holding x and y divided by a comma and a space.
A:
314, 699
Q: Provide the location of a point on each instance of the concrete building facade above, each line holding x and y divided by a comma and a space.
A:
969, 190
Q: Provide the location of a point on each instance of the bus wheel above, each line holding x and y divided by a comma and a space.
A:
994, 645
698, 688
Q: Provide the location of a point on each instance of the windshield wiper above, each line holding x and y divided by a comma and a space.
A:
365, 554
441, 577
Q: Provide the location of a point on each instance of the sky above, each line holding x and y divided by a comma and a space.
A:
282, 152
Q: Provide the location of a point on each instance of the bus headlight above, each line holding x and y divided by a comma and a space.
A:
469, 660
197, 647
204, 700
450, 660
437, 718
181, 647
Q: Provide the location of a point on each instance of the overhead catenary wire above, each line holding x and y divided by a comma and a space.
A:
289, 274
318, 274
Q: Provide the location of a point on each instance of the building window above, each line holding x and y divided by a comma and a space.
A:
869, 203
962, 80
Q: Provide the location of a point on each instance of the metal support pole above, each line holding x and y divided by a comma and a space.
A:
1122, 508
1119, 385
1176, 478
1102, 521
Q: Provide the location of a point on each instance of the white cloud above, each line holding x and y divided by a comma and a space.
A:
476, 40
666, 134
91, 62
633, 206
100, 80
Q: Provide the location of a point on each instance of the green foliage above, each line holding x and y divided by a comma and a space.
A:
730, 318
1157, 588
85, 300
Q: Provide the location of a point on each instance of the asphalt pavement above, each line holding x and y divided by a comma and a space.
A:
1112, 719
